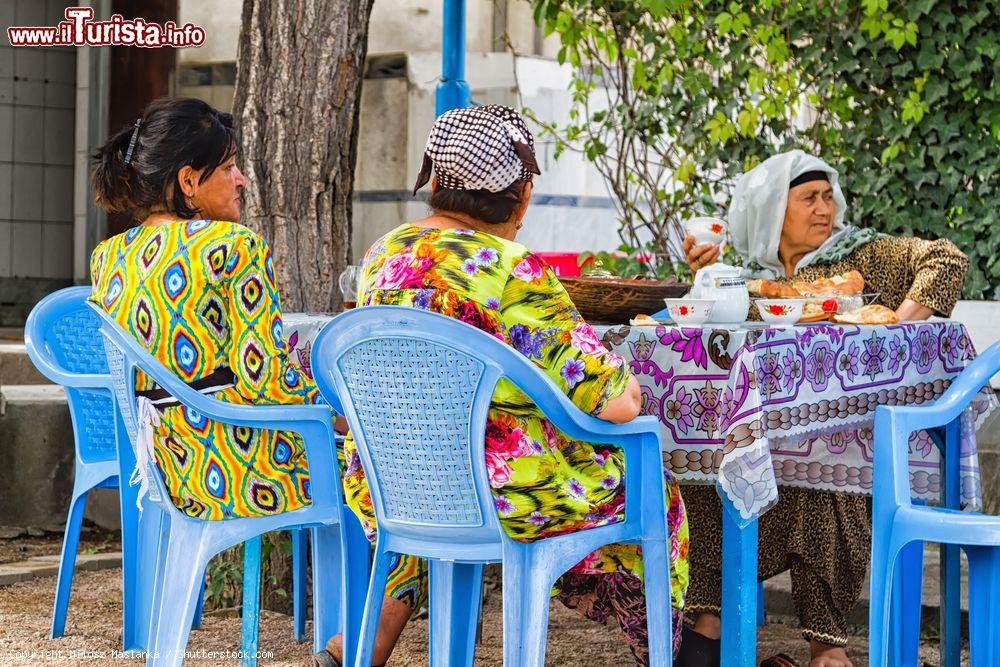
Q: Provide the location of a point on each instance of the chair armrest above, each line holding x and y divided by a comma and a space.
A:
72, 380
314, 423
287, 417
48, 367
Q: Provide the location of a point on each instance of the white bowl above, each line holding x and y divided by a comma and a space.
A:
690, 311
780, 311
706, 230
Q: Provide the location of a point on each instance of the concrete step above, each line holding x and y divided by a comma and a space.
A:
16, 366
37, 448
48, 566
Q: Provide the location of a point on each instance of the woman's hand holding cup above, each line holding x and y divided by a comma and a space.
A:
699, 255
703, 241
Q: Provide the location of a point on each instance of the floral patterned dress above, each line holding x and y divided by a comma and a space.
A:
543, 482
200, 296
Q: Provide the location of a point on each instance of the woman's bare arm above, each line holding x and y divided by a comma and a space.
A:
626, 406
910, 310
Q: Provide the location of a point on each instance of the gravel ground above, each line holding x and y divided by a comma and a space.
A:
93, 633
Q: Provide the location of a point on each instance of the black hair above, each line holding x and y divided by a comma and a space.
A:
492, 207
174, 133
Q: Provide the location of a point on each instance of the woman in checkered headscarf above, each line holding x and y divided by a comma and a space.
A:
462, 261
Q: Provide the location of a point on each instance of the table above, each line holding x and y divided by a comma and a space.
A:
751, 408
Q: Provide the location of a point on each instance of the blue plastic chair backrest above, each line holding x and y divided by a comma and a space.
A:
62, 338
416, 387
416, 398
894, 424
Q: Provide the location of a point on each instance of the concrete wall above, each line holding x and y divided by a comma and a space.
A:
396, 26
37, 122
36, 443
221, 21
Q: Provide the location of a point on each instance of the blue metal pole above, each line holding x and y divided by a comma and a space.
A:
452, 90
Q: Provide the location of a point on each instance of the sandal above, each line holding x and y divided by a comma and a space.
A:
324, 659
780, 660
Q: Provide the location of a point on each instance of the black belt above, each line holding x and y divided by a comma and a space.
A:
219, 379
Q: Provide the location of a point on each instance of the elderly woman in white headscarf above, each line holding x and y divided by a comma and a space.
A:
787, 220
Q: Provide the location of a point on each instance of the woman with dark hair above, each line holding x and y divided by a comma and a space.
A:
196, 289
462, 261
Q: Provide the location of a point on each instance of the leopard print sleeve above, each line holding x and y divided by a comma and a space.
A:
931, 273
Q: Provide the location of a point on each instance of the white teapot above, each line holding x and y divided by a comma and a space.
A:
725, 284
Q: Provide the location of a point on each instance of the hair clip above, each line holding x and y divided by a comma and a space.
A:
131, 143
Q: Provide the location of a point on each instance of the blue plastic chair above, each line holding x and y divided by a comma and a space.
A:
62, 339
416, 388
898, 523
182, 546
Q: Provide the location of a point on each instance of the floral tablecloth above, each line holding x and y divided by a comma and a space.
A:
755, 407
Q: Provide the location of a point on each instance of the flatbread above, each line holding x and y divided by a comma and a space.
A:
771, 289
846, 284
873, 314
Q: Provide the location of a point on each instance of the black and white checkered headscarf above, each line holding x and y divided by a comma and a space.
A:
479, 148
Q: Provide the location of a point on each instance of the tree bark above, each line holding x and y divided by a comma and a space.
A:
298, 92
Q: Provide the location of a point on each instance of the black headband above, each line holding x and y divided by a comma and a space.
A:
809, 176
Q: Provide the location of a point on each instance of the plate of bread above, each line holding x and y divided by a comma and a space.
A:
642, 320
839, 298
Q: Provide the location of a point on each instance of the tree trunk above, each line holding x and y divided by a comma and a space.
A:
298, 89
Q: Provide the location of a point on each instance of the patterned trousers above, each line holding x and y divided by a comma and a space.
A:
824, 538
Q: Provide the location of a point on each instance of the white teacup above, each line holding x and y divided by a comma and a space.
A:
690, 311
706, 230
780, 312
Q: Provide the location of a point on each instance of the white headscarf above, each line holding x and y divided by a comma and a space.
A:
757, 212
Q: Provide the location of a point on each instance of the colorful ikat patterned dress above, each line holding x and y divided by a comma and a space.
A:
200, 296
543, 483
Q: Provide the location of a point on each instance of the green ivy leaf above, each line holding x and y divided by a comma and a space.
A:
724, 23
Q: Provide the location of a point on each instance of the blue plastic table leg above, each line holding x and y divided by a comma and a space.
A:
300, 560
251, 601
739, 590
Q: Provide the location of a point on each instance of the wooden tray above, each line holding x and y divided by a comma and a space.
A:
617, 300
